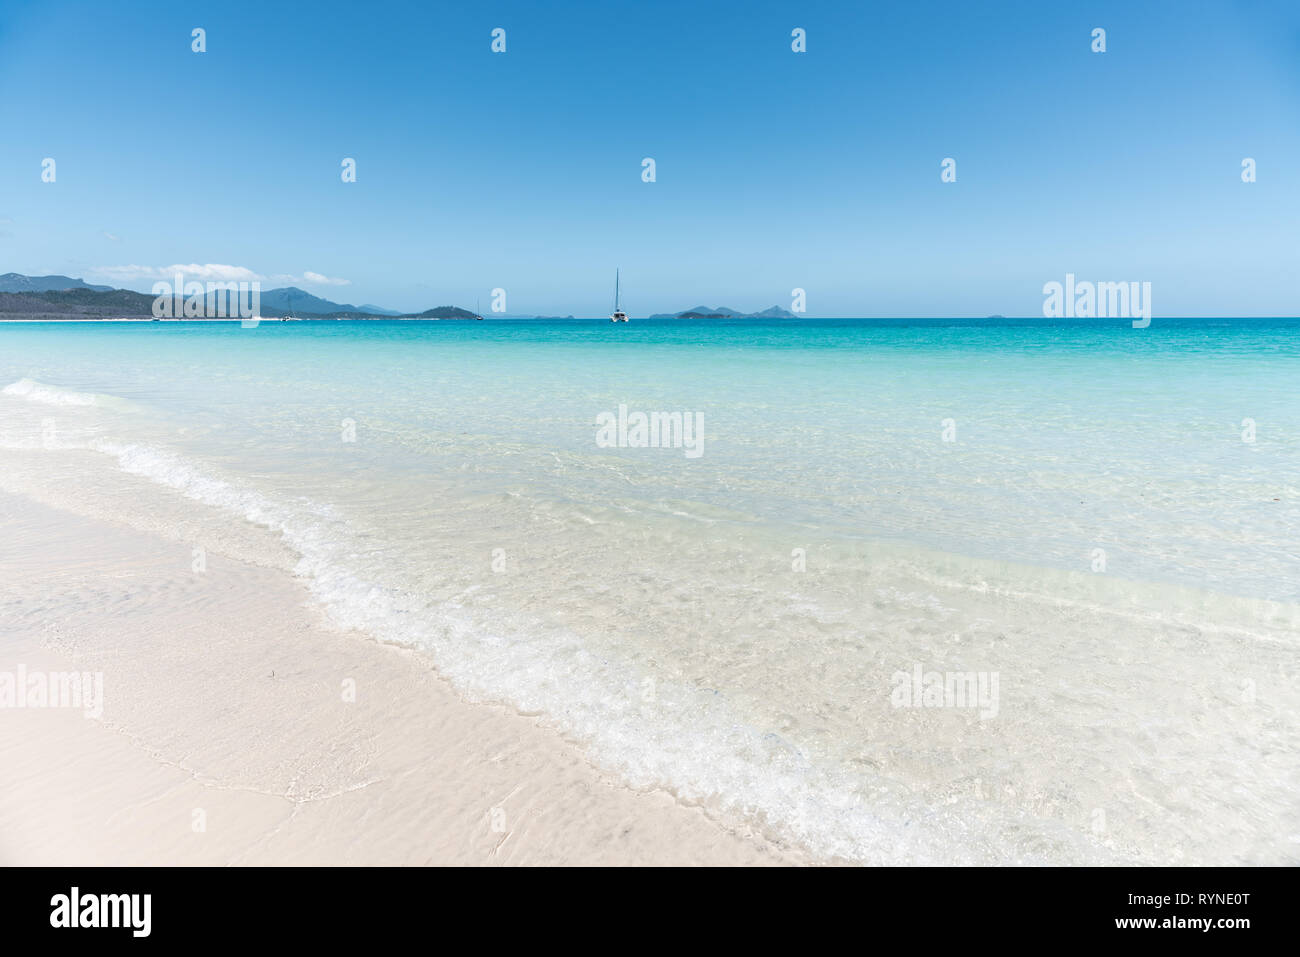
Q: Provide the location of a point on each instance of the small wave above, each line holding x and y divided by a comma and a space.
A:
34, 391
690, 741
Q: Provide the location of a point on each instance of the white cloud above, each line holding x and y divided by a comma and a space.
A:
308, 278
318, 279
125, 273
208, 272
215, 273
193, 272
112, 237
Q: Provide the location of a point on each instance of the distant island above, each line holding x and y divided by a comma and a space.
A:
17, 282
721, 312
62, 297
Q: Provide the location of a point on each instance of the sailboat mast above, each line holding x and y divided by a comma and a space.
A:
616, 290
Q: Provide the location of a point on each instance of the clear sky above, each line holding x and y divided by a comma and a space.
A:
775, 169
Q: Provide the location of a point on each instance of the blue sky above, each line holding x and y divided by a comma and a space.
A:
775, 170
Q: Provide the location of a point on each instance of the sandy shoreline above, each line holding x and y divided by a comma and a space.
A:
226, 735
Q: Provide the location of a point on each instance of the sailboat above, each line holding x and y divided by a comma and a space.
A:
619, 315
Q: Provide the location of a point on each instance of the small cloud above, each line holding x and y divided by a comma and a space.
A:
194, 272
208, 272
111, 237
125, 273
214, 272
318, 279
308, 278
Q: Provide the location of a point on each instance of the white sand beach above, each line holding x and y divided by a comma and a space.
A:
226, 737
363, 595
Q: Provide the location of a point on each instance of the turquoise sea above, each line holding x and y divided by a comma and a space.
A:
1105, 520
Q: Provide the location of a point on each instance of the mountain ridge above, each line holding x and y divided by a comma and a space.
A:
722, 312
63, 296
54, 297
17, 282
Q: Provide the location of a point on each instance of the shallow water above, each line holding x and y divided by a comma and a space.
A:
1096, 536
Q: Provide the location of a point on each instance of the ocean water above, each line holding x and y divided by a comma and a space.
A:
1099, 525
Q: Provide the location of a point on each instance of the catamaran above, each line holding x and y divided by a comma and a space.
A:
619, 315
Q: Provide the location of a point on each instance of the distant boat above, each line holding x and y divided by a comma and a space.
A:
619, 315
